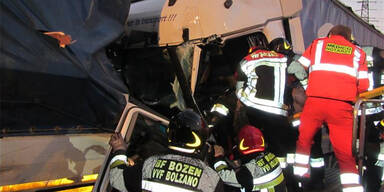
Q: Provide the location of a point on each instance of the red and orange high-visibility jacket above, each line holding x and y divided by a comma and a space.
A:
337, 69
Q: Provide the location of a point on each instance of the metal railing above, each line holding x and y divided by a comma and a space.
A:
360, 105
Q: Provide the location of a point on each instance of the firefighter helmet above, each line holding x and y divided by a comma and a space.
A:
280, 45
257, 41
251, 140
184, 130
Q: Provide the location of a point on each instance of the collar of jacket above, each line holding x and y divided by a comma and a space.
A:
337, 37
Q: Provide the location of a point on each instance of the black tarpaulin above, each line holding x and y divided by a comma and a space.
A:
43, 85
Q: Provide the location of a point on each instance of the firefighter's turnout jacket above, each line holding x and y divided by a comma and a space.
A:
174, 172
261, 81
261, 172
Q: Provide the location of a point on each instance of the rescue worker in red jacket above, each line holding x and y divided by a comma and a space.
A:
337, 74
297, 80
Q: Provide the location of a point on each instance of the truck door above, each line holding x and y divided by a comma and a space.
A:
145, 134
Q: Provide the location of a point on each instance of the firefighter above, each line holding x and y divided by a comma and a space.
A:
260, 88
374, 159
337, 73
225, 121
380, 155
375, 63
178, 170
375, 59
259, 170
296, 83
296, 73
374, 113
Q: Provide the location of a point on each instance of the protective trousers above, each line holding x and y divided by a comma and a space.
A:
338, 116
276, 129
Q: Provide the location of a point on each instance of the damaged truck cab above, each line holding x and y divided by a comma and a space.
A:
195, 40
171, 23
192, 41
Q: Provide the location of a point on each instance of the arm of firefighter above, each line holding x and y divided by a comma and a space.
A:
226, 174
362, 76
241, 77
124, 175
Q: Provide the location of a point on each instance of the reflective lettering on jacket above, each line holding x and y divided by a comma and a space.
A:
274, 176
177, 172
265, 169
173, 172
266, 71
341, 49
337, 69
160, 187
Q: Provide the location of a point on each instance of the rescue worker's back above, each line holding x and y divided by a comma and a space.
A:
334, 66
337, 73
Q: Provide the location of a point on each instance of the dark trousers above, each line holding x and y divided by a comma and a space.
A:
372, 175
278, 133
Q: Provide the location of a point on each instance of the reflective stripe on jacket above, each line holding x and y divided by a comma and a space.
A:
265, 170
174, 172
337, 69
170, 172
265, 84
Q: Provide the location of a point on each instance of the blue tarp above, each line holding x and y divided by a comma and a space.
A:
43, 85
318, 15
